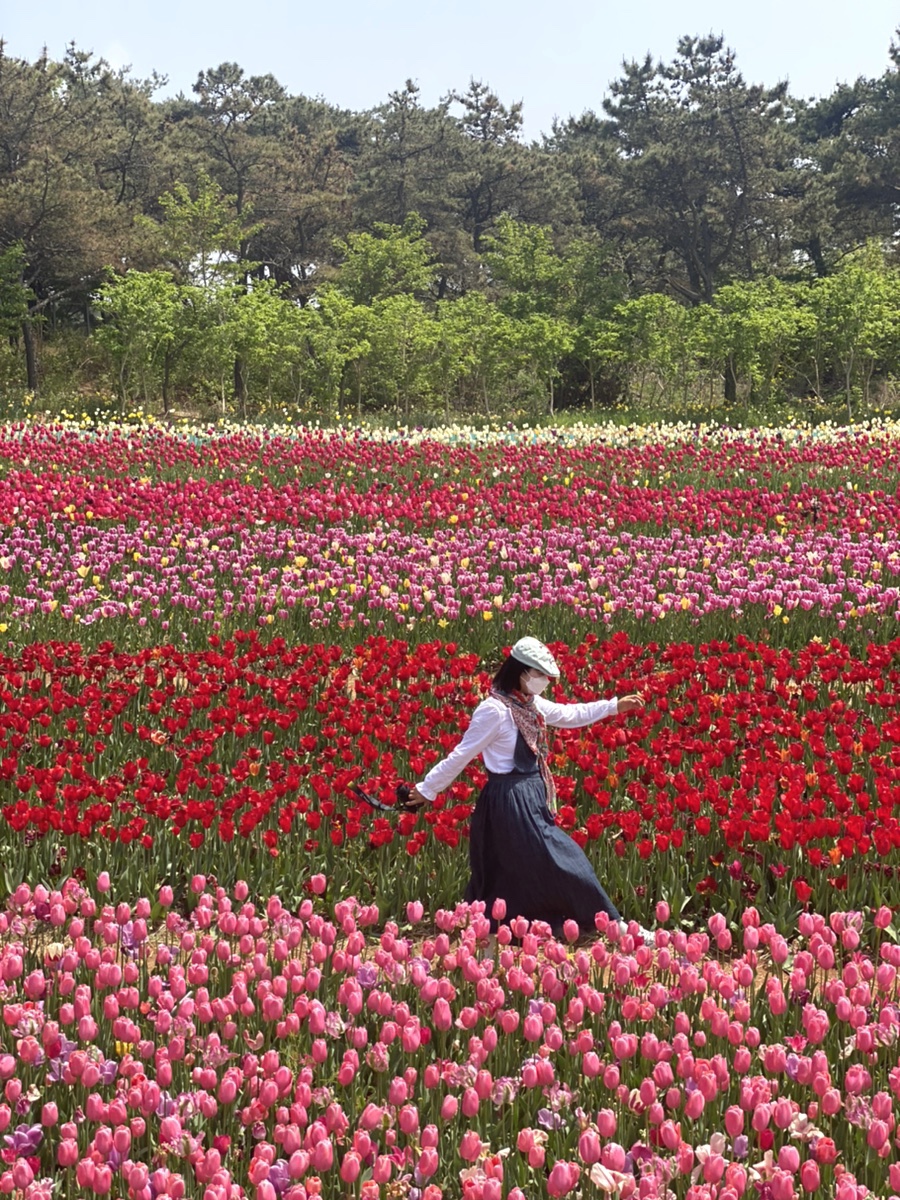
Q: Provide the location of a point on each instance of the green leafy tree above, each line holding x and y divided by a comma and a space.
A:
524, 266
395, 260
543, 342
833, 214
401, 158
495, 173
235, 126
266, 333
401, 336
853, 143
857, 321
14, 295
199, 237
454, 357
491, 351
338, 346
69, 228
301, 203
596, 345
706, 164
653, 348
143, 315
751, 334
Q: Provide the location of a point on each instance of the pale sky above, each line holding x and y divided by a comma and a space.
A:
557, 57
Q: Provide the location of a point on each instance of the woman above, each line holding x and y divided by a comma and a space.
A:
517, 852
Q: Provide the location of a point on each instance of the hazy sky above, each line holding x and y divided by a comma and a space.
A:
558, 56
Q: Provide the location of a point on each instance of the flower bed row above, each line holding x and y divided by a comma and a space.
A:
238, 478
413, 502
181, 577
240, 1049
748, 764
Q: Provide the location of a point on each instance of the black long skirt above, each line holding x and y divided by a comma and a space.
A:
519, 854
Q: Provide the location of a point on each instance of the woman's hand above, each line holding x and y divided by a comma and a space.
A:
629, 704
416, 800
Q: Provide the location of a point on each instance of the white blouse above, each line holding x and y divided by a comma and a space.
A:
492, 733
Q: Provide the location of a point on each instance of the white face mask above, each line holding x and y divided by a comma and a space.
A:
535, 684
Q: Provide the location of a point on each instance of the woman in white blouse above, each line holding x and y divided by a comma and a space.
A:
517, 852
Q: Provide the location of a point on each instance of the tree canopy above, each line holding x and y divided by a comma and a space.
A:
686, 183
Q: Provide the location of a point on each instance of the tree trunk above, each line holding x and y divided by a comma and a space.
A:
730, 383
848, 383
167, 367
31, 370
816, 254
240, 387
123, 387
867, 382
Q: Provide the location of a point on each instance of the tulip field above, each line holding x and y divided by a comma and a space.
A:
223, 974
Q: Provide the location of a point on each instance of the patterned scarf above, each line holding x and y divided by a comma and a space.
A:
533, 729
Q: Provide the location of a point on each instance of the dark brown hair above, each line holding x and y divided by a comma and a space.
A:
510, 674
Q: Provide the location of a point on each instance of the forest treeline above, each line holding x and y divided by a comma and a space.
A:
696, 235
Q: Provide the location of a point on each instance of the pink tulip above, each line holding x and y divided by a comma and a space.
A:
783, 1113
789, 1159
67, 1152
408, 1119
441, 1014
350, 1167
826, 1151
470, 1146
298, 1164
589, 1147
563, 1178
533, 1029
613, 1156
371, 1117
877, 1134
883, 917
810, 1177
322, 1155
428, 1162
606, 1123
590, 1065
257, 1171
670, 1134
695, 1105
103, 881
734, 1121
713, 1168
